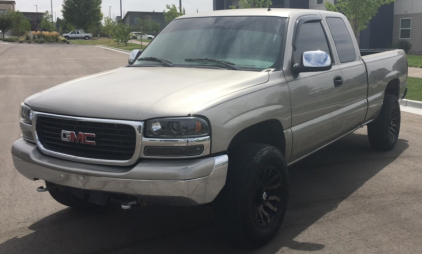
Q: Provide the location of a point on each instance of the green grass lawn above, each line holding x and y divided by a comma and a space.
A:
143, 40
414, 89
415, 60
108, 43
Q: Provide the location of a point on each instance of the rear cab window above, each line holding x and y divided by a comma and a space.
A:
343, 41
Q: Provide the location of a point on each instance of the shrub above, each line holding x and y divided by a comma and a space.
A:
39, 35
55, 36
63, 40
34, 35
40, 40
405, 45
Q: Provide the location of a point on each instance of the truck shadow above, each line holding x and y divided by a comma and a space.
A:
318, 185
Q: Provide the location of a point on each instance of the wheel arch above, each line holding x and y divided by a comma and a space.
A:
268, 132
393, 87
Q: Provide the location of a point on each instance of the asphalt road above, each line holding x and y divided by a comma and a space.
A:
345, 198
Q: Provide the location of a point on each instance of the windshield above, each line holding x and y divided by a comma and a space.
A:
246, 42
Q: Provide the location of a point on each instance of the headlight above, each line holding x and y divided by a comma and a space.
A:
26, 114
184, 127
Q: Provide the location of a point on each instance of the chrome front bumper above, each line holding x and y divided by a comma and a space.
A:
170, 182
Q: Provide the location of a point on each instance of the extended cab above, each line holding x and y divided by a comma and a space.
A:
77, 34
213, 111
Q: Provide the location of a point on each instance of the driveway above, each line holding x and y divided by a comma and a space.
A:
346, 198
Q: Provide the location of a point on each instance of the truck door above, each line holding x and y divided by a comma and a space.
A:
355, 87
315, 98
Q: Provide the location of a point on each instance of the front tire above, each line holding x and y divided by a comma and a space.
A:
383, 133
66, 37
251, 207
66, 198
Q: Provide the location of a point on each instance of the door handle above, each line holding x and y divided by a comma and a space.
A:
338, 81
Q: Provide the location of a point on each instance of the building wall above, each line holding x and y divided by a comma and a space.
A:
407, 7
302, 4
313, 4
132, 17
6, 6
35, 19
415, 31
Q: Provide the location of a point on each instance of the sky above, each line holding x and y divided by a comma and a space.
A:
190, 6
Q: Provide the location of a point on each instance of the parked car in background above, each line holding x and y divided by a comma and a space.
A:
77, 34
141, 36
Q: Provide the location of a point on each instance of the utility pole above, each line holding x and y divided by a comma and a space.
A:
121, 15
109, 11
180, 6
52, 17
36, 7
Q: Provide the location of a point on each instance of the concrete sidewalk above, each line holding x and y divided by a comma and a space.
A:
415, 72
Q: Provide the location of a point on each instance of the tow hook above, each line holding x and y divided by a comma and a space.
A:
42, 189
129, 205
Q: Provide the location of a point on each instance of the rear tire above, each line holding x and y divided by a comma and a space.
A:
383, 133
86, 37
66, 198
251, 207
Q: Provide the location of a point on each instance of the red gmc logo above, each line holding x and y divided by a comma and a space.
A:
81, 138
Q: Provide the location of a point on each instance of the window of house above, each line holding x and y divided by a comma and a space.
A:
342, 39
320, 1
311, 37
405, 27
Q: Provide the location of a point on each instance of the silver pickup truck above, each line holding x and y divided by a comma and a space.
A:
213, 111
77, 34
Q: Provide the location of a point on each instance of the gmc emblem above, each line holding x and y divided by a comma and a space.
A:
82, 138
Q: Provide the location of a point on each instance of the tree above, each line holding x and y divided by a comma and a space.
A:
108, 27
64, 26
20, 23
6, 22
121, 32
147, 26
171, 13
243, 4
82, 13
358, 12
47, 22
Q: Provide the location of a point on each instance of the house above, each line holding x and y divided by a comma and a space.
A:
6, 6
408, 23
35, 19
401, 20
131, 18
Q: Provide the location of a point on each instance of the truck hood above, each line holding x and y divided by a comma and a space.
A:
139, 93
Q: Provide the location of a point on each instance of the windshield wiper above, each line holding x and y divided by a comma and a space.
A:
228, 65
158, 60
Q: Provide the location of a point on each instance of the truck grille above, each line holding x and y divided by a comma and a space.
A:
113, 141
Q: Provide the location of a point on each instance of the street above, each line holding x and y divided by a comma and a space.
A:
346, 198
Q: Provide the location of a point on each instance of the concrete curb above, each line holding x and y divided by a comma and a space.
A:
114, 49
412, 104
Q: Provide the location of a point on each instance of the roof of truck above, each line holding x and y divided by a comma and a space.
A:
278, 12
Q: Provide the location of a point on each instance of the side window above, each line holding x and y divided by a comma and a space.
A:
342, 39
311, 37
405, 28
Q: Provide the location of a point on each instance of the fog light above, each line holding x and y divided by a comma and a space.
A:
174, 151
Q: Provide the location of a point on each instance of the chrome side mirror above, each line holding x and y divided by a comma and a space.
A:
314, 61
134, 55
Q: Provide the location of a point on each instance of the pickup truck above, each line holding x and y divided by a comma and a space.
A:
77, 34
214, 111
